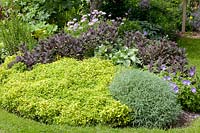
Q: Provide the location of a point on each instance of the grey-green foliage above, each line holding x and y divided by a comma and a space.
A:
152, 99
13, 33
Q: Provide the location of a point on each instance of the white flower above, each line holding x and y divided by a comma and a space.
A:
84, 16
80, 28
96, 11
74, 19
71, 26
103, 13
70, 23
83, 20
91, 23
69, 29
76, 26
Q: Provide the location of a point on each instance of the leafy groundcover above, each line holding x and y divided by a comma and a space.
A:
64, 92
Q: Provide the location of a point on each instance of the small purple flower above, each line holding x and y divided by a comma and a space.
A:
174, 73
76, 26
145, 33
192, 71
173, 85
167, 78
193, 90
176, 89
186, 82
95, 20
163, 67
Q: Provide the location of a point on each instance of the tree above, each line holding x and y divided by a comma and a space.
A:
184, 15
95, 4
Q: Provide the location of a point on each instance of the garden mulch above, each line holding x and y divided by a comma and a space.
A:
195, 35
186, 119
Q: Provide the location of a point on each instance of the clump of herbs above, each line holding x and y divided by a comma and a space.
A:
98, 34
154, 54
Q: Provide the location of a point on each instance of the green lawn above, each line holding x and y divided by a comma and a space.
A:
10, 123
193, 50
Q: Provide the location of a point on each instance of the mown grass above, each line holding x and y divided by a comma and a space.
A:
193, 50
10, 123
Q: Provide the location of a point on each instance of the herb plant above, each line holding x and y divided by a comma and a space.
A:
68, 91
152, 99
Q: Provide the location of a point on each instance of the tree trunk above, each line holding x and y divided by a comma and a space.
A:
95, 4
184, 15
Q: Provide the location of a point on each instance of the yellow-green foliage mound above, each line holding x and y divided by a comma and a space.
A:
64, 92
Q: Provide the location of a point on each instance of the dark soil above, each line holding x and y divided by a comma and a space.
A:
185, 119
195, 35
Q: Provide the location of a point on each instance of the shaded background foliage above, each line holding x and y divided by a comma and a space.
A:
165, 13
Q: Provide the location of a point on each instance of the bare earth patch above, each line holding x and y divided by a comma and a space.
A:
195, 35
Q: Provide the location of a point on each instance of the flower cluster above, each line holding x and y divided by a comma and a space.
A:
85, 22
177, 80
186, 85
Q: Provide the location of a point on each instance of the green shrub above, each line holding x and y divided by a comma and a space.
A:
187, 86
14, 33
64, 92
195, 20
165, 13
153, 101
151, 31
50, 11
130, 26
